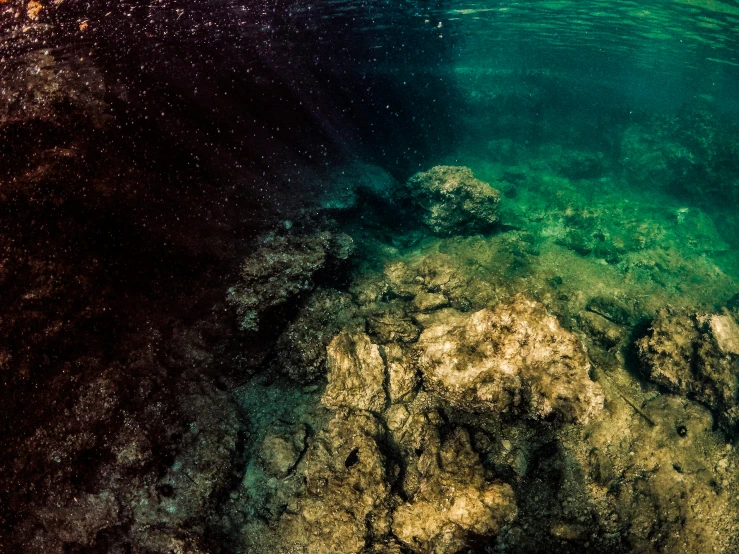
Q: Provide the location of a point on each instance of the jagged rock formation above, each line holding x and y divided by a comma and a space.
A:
301, 349
450, 201
696, 355
387, 433
513, 358
282, 268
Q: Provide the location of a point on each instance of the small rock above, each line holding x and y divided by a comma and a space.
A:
429, 301
281, 449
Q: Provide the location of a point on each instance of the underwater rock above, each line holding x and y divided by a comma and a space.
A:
661, 487
345, 501
189, 488
611, 309
301, 349
515, 357
282, 268
601, 329
577, 164
429, 301
281, 449
696, 355
689, 154
90, 487
391, 323
450, 201
453, 501
436, 278
52, 89
356, 374
401, 379
78, 523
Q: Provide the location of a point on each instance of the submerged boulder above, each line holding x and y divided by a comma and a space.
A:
453, 500
513, 358
301, 349
451, 201
344, 501
356, 375
696, 355
282, 268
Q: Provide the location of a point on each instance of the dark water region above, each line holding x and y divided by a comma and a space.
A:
383, 277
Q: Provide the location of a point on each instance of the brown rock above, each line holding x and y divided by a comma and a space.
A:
514, 357
450, 201
356, 374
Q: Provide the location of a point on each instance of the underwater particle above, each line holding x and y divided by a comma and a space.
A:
33, 9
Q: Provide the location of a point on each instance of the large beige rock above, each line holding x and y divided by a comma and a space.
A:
515, 357
356, 374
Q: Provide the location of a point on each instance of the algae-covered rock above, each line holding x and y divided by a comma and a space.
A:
301, 349
282, 268
281, 449
344, 503
696, 355
430, 301
453, 501
451, 201
356, 374
391, 323
515, 357
690, 155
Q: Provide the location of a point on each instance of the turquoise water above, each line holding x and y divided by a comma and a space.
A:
348, 277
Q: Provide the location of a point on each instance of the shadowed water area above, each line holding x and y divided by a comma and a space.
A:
369, 277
